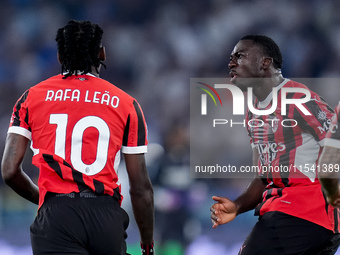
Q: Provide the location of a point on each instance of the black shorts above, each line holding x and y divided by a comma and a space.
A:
80, 224
281, 234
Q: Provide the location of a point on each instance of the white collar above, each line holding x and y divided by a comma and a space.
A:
266, 102
80, 73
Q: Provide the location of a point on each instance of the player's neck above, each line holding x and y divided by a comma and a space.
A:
94, 71
261, 92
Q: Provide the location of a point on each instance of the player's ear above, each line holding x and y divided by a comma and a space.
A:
267, 62
59, 58
102, 54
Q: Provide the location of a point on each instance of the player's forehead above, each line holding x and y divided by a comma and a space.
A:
246, 46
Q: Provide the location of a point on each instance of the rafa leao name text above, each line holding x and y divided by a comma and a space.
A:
75, 95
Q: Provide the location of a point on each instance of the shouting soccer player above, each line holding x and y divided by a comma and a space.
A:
78, 124
294, 216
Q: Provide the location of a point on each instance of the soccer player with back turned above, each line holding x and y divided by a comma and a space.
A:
78, 124
294, 216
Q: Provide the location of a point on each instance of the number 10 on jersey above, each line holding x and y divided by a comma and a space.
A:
61, 120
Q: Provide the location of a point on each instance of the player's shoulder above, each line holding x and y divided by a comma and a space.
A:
49, 80
32, 90
295, 84
305, 88
114, 90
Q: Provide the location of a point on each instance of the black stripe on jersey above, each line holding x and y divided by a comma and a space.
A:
271, 138
126, 132
290, 144
98, 186
269, 194
250, 116
267, 138
53, 164
279, 194
259, 206
16, 121
77, 177
141, 126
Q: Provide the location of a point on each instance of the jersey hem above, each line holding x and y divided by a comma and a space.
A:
20, 131
134, 150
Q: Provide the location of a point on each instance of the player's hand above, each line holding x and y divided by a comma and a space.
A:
223, 211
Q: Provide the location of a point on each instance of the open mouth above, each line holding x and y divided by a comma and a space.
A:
233, 76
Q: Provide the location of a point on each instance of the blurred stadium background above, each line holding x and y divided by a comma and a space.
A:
153, 48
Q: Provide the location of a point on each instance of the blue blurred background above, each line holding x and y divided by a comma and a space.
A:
153, 49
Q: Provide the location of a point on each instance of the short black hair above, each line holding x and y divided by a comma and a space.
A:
78, 44
269, 47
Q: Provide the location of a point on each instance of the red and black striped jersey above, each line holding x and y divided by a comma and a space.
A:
78, 126
289, 145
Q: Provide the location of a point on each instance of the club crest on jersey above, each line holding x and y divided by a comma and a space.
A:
275, 124
267, 126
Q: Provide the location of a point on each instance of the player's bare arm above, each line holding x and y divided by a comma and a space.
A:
141, 193
328, 177
252, 196
11, 169
226, 210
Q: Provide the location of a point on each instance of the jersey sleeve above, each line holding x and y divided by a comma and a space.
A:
333, 135
19, 123
135, 134
319, 120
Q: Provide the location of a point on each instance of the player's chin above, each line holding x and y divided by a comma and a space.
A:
245, 83
240, 83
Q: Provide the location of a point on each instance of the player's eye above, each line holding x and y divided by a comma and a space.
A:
234, 57
239, 55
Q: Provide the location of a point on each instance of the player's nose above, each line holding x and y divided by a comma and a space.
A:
232, 63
